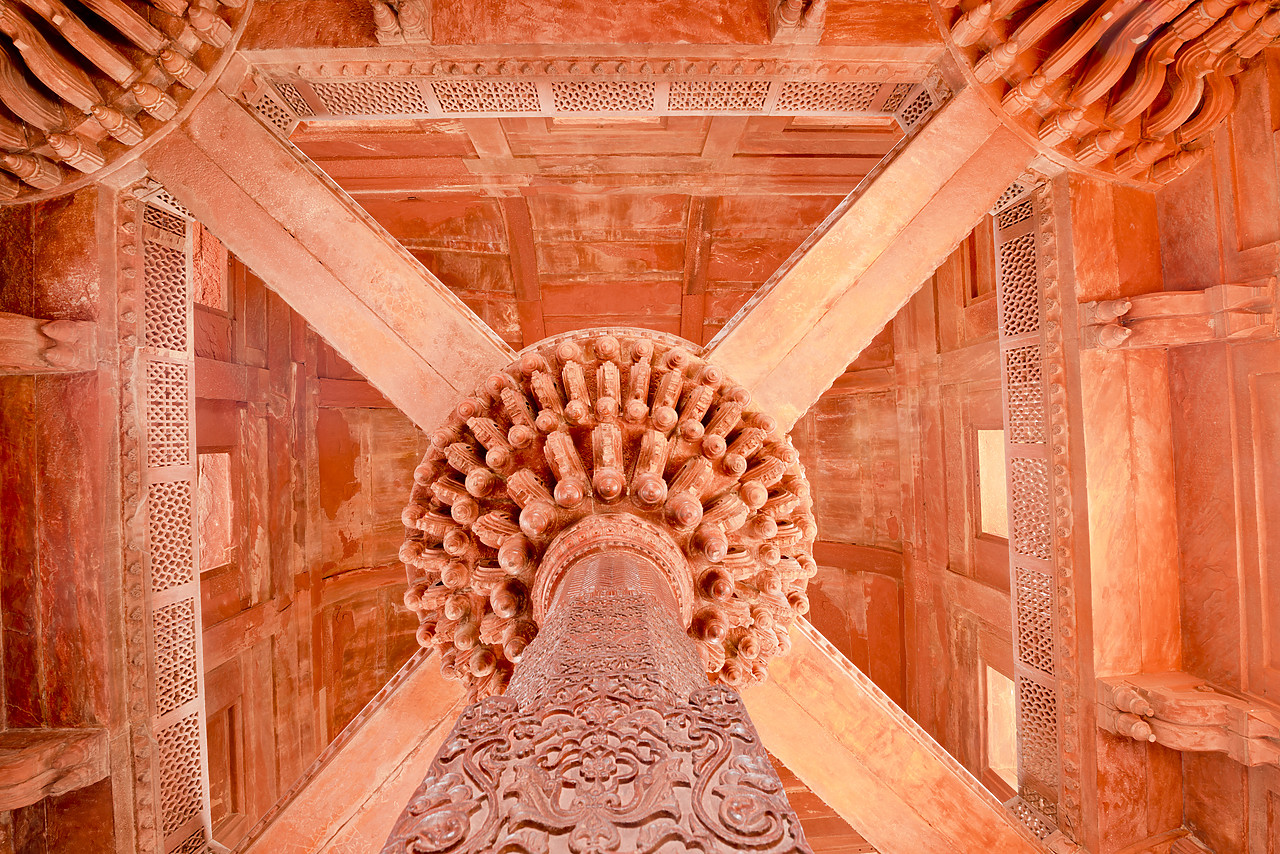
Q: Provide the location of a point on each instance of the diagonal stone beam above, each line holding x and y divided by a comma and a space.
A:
798, 333
870, 762
412, 338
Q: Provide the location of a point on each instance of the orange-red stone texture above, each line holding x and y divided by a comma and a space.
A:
598, 225
55, 471
305, 623
324, 23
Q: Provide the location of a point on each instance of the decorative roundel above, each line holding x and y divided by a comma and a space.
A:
597, 440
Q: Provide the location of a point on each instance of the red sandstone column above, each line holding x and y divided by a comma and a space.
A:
609, 738
610, 533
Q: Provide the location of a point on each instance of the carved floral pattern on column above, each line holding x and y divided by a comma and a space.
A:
610, 740
1127, 87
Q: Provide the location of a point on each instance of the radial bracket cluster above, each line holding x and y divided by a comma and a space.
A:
598, 440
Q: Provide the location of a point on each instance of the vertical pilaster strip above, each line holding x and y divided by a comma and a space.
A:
1047, 671
1061, 367
165, 665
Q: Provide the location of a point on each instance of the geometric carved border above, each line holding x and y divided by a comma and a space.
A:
369, 91
1038, 470
165, 685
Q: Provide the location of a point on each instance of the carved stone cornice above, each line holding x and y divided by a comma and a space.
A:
445, 82
75, 108
1122, 89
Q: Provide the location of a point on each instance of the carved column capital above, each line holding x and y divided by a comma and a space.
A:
608, 439
609, 535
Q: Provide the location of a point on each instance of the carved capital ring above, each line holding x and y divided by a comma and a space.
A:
596, 535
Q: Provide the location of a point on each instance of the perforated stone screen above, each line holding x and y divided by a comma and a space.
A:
1038, 476
158, 483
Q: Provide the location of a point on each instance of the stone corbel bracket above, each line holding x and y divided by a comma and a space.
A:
1186, 713
32, 346
1177, 318
797, 21
402, 21
37, 763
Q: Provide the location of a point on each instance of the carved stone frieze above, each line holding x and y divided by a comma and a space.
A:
597, 440
546, 86
1130, 88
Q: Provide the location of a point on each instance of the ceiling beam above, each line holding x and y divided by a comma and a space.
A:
805, 325
870, 762
697, 257
395, 322
524, 268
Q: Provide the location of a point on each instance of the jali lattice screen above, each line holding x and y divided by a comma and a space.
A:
171, 800
1038, 450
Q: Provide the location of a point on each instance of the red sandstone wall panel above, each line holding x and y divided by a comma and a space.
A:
69, 484
1187, 210
850, 452
65, 258
19, 591
1253, 162
580, 22
18, 294
1104, 218
1207, 513
884, 22
307, 622
59, 664
1216, 800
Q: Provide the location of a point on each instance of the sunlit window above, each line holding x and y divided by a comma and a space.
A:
213, 510
993, 510
1002, 728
